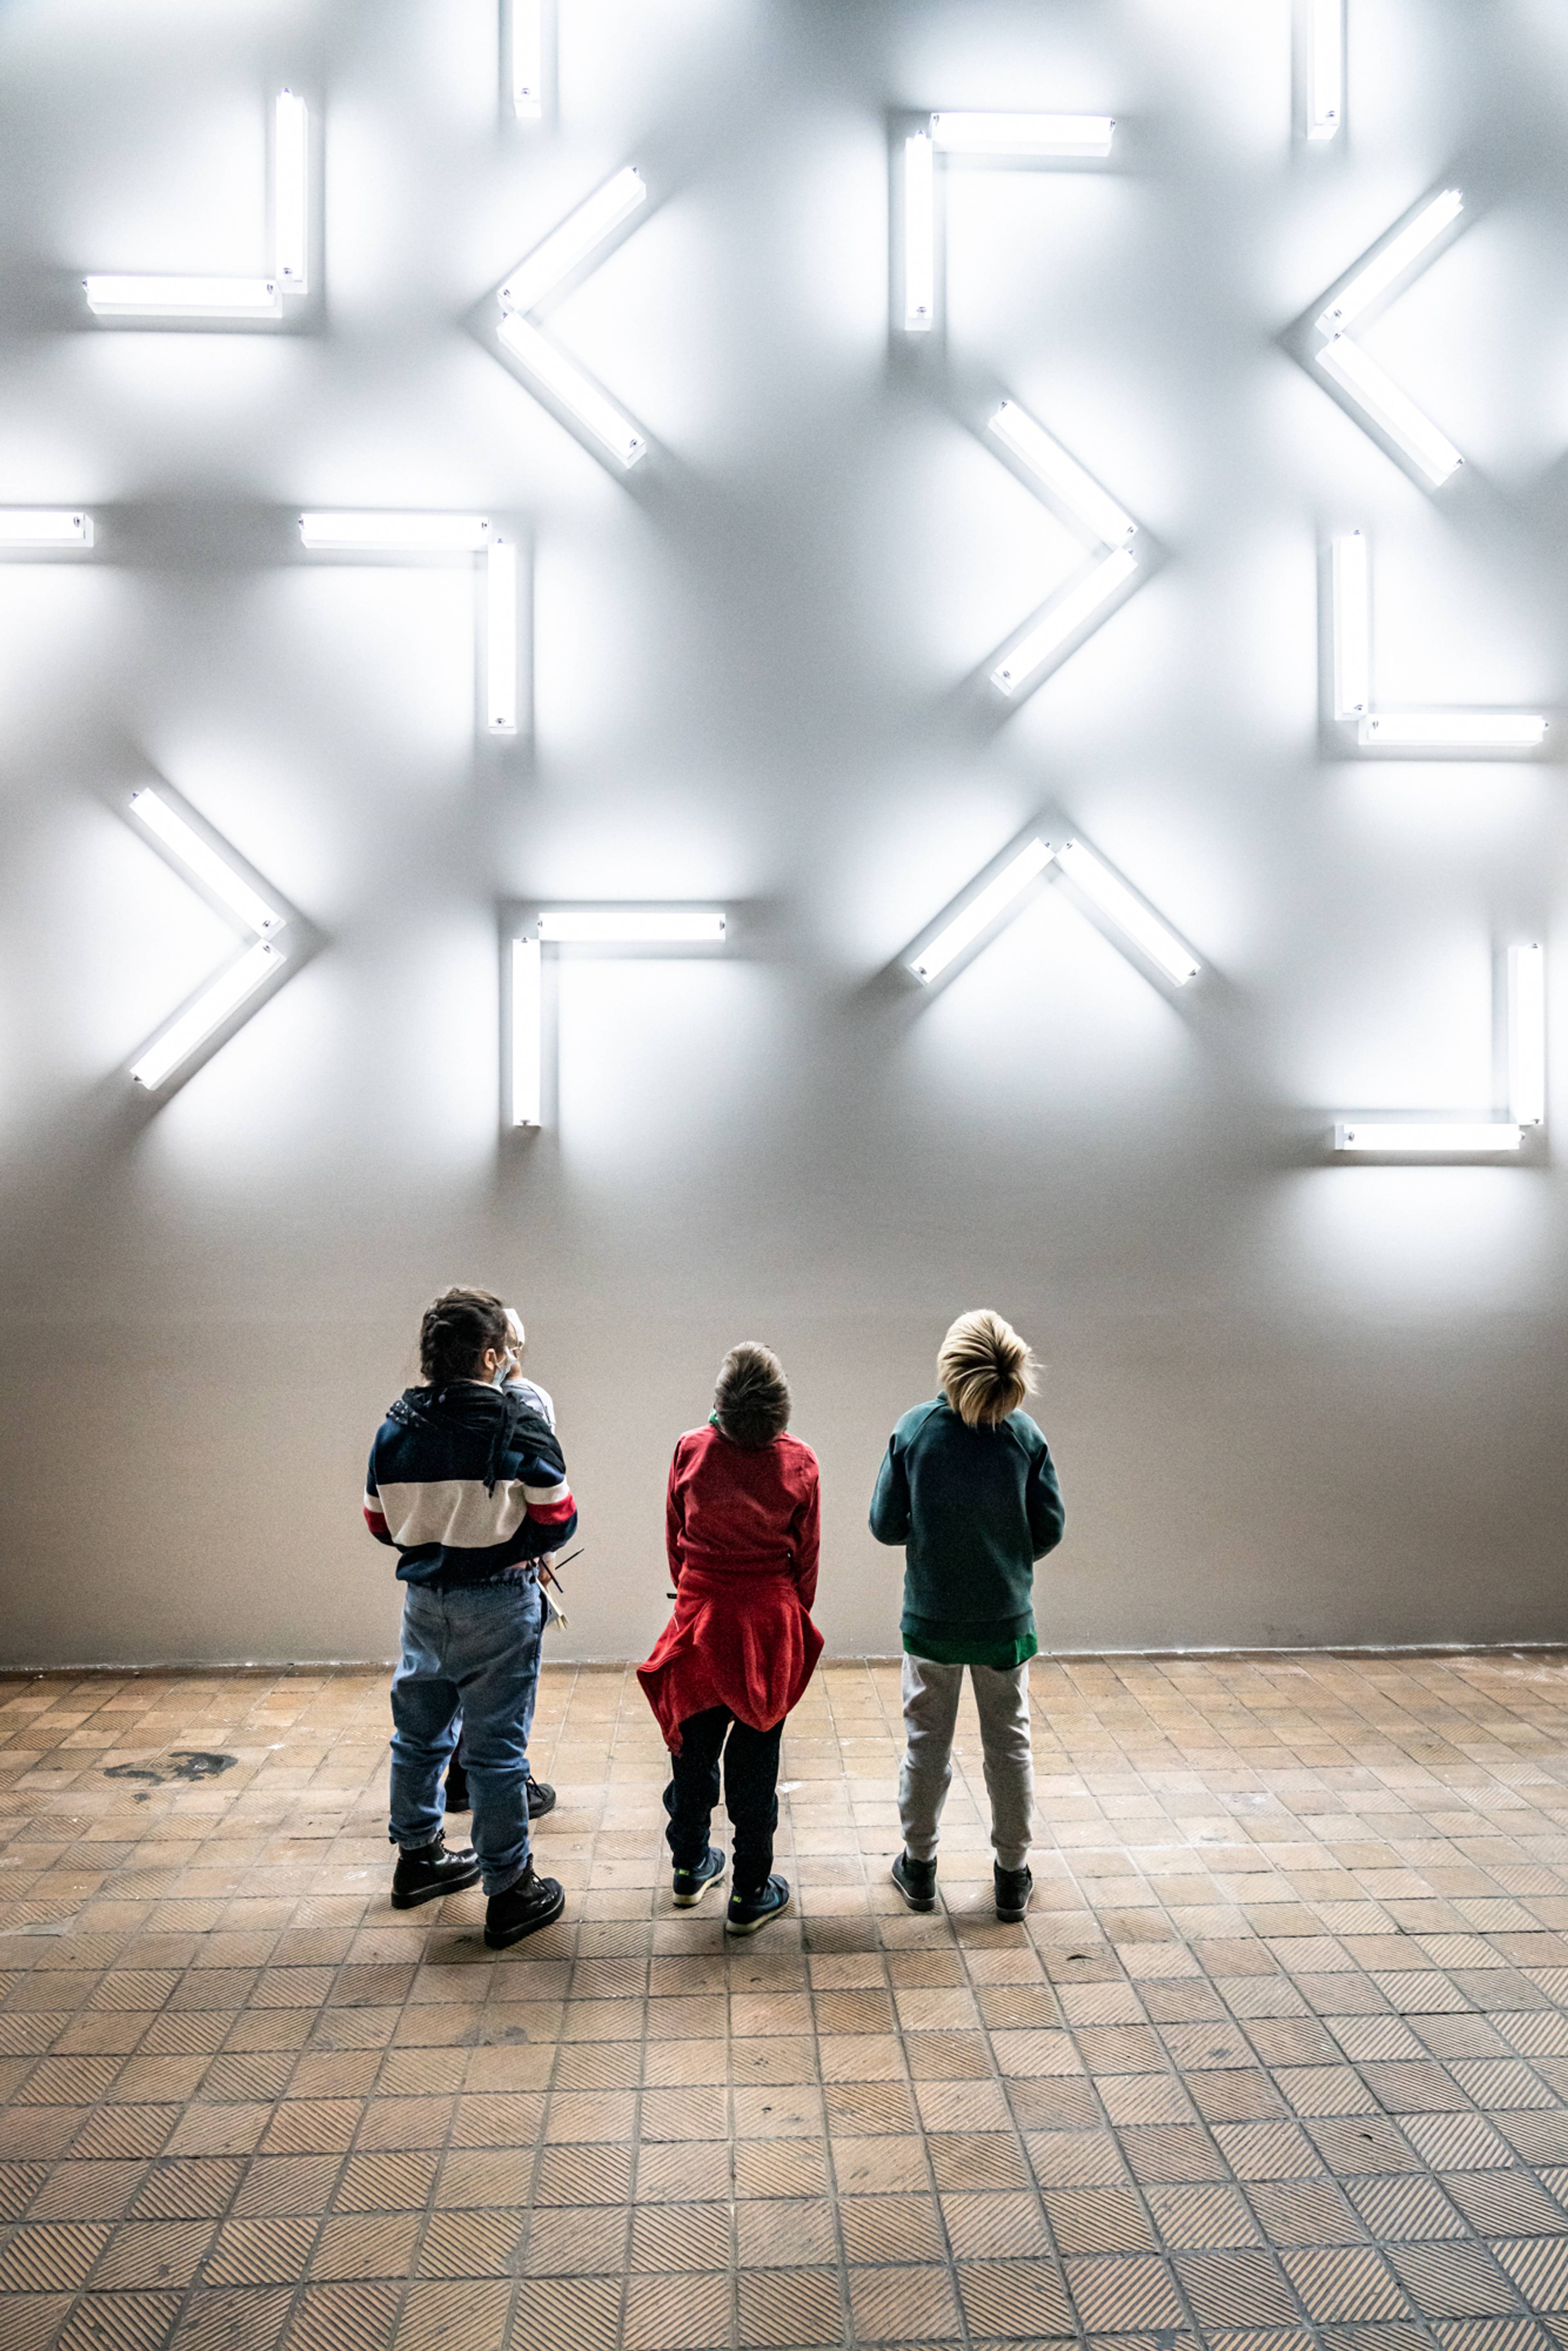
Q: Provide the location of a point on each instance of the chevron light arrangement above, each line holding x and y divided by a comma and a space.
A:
348, 533
1477, 1138
610, 926
244, 300
542, 273
237, 982
1365, 383
958, 137
1477, 732
998, 899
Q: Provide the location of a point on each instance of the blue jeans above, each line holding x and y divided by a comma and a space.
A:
472, 1652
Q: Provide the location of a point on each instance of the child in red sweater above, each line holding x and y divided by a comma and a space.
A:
742, 1531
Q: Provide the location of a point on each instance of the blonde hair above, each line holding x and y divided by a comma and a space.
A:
984, 1369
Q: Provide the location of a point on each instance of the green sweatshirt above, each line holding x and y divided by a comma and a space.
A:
974, 1509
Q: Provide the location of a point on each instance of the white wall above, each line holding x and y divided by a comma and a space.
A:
1293, 1401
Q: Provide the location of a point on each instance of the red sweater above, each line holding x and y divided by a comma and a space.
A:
743, 1531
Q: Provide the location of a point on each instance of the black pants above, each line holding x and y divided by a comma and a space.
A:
750, 1793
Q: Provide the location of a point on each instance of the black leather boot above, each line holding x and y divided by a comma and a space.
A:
421, 1876
533, 1903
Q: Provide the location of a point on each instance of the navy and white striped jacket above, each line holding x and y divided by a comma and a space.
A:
468, 1481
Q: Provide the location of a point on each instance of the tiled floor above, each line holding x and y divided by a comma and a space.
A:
1281, 2053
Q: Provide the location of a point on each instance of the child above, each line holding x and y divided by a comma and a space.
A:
742, 1532
468, 1482
968, 1488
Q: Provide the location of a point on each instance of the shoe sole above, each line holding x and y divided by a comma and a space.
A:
690, 1901
430, 1892
912, 1901
529, 1927
1013, 1917
755, 1926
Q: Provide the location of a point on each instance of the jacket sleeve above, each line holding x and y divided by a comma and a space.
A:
675, 1517
1042, 1497
806, 1539
375, 1516
548, 1510
890, 1502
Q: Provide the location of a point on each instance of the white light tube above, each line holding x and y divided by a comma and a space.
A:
1527, 1035
1448, 1141
44, 527
528, 1018
1129, 913
210, 1010
501, 637
636, 926
183, 297
205, 863
1325, 67
919, 236
1032, 444
593, 410
395, 534
1352, 627
1023, 134
1452, 730
982, 910
1387, 406
291, 194
1396, 257
1061, 619
527, 60
574, 240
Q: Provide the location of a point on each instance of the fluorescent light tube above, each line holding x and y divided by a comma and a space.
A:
573, 241
291, 194
1390, 408
44, 527
593, 410
527, 1020
200, 859
527, 60
395, 534
1060, 622
1048, 461
1396, 257
637, 926
1352, 627
1129, 913
501, 637
919, 236
1409, 1139
1325, 67
1023, 134
183, 297
1452, 730
210, 1010
982, 910
1527, 1035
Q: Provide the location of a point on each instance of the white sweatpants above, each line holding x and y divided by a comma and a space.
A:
930, 1712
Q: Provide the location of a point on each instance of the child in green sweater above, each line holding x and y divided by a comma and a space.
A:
968, 1488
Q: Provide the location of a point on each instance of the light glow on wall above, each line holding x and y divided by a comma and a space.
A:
1393, 411
919, 234
1139, 922
291, 194
636, 926
1415, 731
985, 908
567, 246
593, 409
394, 534
1062, 619
1527, 1034
501, 637
1477, 1138
1062, 475
528, 1029
1480, 1138
527, 48
1451, 730
44, 527
199, 858
1325, 67
183, 297
222, 997
1023, 134
1352, 626
1391, 261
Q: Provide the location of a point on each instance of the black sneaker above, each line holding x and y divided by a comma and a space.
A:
421, 1876
540, 1796
457, 1799
522, 1909
916, 1881
747, 1912
690, 1885
1014, 1887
